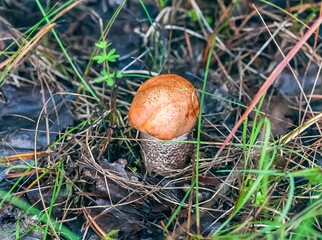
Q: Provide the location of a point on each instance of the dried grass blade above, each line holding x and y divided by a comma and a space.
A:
13, 60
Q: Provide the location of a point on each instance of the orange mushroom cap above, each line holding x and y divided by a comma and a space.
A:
165, 107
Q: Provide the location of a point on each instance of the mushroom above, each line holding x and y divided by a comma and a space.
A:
165, 108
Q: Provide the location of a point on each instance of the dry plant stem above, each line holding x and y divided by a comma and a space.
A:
304, 6
297, 131
65, 10
163, 157
188, 221
270, 81
23, 156
17, 175
111, 122
92, 223
26, 48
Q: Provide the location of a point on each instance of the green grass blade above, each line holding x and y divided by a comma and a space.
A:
61, 229
88, 88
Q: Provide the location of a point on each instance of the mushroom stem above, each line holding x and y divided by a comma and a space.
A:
164, 157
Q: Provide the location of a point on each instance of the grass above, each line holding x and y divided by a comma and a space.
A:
267, 186
65, 232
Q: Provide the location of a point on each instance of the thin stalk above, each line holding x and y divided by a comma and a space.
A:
213, 42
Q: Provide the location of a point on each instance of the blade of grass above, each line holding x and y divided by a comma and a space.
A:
56, 190
289, 200
286, 12
256, 128
172, 218
160, 47
257, 183
89, 89
202, 99
63, 230
16, 184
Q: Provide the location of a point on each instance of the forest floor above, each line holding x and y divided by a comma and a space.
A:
70, 162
